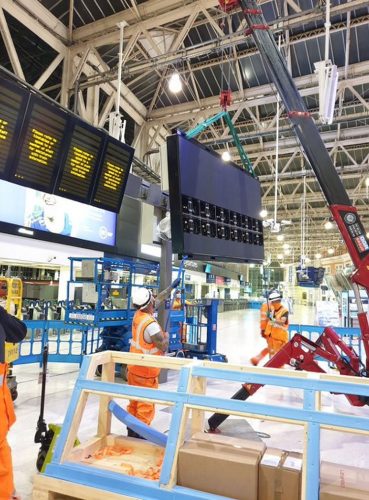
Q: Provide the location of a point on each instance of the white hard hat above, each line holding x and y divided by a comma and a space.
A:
274, 296
141, 297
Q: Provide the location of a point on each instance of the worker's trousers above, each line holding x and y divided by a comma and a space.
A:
142, 410
6, 471
274, 345
7, 418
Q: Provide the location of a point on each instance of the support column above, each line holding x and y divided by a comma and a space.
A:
165, 279
66, 79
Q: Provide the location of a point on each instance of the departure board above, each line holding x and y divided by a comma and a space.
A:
46, 147
81, 163
113, 176
11, 105
41, 146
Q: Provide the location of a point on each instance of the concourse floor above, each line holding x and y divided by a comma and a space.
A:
239, 339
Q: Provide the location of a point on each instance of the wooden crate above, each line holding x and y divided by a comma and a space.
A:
48, 488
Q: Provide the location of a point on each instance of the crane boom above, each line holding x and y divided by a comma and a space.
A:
300, 352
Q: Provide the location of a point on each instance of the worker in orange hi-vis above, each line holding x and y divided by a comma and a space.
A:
273, 326
147, 338
177, 302
11, 330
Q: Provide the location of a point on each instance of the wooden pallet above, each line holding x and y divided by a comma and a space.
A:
48, 488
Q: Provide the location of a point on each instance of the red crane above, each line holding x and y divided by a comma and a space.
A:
300, 352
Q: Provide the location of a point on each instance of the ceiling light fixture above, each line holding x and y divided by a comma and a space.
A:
175, 83
318, 255
263, 213
328, 225
286, 246
226, 156
280, 237
280, 256
330, 251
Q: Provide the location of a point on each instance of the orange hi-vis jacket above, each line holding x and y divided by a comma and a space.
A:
141, 320
7, 415
177, 305
275, 329
264, 316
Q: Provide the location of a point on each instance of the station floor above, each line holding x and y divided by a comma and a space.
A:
238, 338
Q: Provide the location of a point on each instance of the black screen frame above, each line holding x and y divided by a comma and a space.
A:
35, 99
189, 244
131, 151
74, 121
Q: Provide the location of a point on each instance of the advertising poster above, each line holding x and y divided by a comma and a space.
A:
46, 212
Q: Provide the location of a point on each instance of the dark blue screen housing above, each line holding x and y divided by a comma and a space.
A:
214, 205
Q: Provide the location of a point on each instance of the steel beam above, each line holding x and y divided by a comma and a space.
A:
40, 21
255, 96
10, 47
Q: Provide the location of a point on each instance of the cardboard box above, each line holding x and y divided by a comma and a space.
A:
221, 465
344, 476
328, 492
280, 475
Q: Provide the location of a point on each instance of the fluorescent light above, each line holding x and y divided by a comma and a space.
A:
280, 237
175, 83
23, 230
330, 251
226, 156
328, 225
152, 250
263, 213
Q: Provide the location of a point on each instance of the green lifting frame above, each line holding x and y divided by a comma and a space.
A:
246, 163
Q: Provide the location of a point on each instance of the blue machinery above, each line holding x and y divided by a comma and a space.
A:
65, 473
98, 315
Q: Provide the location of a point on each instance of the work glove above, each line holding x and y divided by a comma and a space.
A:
176, 282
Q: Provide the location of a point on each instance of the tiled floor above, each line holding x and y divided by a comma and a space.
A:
238, 338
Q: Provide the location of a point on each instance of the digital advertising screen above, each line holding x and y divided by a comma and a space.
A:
53, 214
40, 148
81, 162
214, 205
11, 116
111, 183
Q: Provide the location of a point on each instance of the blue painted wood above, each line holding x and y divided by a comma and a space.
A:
139, 488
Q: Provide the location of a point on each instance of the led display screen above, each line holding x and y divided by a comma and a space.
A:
11, 107
81, 163
46, 147
215, 206
40, 145
53, 214
113, 177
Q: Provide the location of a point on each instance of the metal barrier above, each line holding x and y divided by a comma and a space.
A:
351, 336
67, 343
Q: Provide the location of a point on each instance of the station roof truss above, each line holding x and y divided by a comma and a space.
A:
69, 50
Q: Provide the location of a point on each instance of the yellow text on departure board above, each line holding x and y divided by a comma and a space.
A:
3, 129
41, 147
112, 176
81, 163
